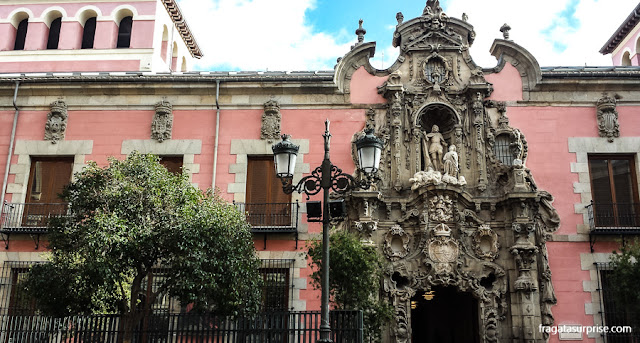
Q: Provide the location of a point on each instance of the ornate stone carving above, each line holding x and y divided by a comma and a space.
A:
56, 126
162, 123
608, 125
505, 31
485, 243
442, 249
436, 71
441, 208
399, 17
396, 243
366, 228
270, 130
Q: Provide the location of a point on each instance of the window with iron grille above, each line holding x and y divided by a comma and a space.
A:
612, 312
614, 191
502, 149
13, 298
163, 304
277, 288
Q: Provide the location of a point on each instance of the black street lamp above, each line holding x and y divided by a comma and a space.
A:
327, 177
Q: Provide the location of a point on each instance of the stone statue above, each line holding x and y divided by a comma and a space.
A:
436, 147
451, 162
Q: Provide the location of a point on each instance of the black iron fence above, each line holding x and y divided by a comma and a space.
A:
271, 217
280, 327
30, 218
619, 218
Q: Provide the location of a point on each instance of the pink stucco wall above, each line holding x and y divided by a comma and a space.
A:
363, 87
68, 66
547, 131
507, 84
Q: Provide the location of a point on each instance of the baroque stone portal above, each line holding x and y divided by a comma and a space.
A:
452, 210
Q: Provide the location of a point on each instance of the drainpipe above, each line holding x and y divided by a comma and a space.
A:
11, 141
215, 147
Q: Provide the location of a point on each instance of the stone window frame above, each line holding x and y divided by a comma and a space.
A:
582, 147
243, 148
188, 148
25, 149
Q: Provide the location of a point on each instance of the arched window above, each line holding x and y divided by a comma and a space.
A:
124, 32
54, 33
165, 43
174, 57
626, 59
21, 35
184, 64
89, 33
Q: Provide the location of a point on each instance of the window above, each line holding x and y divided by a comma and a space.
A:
21, 35
614, 190
277, 285
54, 34
502, 149
14, 301
124, 32
172, 163
613, 314
267, 205
47, 178
163, 304
89, 33
626, 59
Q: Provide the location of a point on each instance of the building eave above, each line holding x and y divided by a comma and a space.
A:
182, 26
622, 31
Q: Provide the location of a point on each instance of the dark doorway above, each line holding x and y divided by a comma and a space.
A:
448, 317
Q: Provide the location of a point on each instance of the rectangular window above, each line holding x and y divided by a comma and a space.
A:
267, 205
613, 314
278, 284
172, 163
614, 190
14, 300
47, 179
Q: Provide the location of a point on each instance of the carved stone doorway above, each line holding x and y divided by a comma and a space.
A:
444, 315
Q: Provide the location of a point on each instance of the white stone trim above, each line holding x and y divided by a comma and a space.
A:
300, 262
25, 149
582, 147
188, 148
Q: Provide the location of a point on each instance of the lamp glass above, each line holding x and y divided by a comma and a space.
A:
369, 158
285, 164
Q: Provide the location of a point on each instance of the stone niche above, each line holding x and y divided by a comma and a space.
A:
456, 212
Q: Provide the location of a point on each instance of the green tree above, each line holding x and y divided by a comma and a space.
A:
355, 276
625, 278
127, 219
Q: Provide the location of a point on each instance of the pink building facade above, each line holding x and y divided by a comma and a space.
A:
516, 231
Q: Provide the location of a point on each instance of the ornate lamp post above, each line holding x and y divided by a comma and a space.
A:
327, 177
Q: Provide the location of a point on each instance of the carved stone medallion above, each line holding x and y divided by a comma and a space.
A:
162, 123
270, 130
485, 243
396, 243
56, 126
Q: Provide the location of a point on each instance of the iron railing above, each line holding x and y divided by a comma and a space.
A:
273, 327
271, 217
614, 218
30, 218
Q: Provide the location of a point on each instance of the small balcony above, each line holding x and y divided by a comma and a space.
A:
267, 218
29, 218
613, 219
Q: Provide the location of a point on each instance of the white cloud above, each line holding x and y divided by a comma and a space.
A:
598, 20
260, 35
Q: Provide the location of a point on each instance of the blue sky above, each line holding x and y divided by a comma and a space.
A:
311, 34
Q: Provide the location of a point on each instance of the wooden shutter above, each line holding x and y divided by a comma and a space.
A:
266, 203
48, 177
